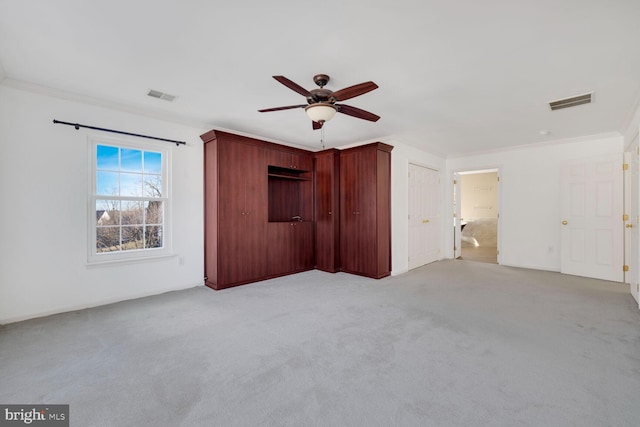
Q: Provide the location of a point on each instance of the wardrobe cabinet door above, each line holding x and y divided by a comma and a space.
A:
230, 214
348, 212
303, 256
327, 212
289, 160
242, 234
366, 235
290, 247
280, 249
302, 162
365, 206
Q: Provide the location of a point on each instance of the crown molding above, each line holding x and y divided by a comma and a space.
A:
560, 141
99, 102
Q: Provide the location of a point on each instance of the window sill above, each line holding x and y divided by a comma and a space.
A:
131, 260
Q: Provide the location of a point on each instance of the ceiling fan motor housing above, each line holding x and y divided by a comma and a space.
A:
321, 95
321, 79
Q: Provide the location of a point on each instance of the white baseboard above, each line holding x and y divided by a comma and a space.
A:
66, 309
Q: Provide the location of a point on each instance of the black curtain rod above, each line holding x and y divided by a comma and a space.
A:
78, 126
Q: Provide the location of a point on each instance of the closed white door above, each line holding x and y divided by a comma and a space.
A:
591, 224
631, 188
424, 215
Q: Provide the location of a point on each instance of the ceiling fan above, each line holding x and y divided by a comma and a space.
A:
321, 103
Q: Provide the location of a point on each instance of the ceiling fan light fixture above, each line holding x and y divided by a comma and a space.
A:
321, 112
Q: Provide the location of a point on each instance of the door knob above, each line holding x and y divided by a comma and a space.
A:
564, 223
424, 221
629, 225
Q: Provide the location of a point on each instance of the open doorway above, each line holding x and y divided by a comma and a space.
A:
478, 195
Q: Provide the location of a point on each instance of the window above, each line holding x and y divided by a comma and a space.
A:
129, 206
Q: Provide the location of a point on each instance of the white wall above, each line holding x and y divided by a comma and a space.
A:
529, 196
43, 224
632, 126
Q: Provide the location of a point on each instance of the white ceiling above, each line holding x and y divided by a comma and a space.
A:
455, 76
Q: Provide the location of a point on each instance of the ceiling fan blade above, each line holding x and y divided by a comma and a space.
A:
357, 112
288, 107
353, 91
316, 125
293, 86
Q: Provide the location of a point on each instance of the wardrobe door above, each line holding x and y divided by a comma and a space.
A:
303, 255
349, 248
327, 214
365, 210
242, 215
366, 213
253, 259
281, 250
383, 207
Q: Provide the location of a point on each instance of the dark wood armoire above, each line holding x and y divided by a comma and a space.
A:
365, 210
272, 210
258, 210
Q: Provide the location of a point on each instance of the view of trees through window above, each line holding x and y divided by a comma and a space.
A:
129, 199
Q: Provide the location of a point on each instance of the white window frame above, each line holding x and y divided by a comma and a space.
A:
136, 254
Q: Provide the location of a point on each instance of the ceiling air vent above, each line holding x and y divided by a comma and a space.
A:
161, 95
570, 102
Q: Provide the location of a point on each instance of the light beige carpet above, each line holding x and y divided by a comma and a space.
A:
454, 343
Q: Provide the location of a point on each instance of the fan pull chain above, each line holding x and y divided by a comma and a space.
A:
322, 137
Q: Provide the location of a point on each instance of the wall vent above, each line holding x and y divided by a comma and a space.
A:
161, 95
570, 102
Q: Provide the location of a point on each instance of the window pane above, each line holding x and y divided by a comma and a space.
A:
153, 185
132, 213
107, 183
153, 210
131, 160
107, 212
152, 162
131, 184
107, 157
107, 239
129, 198
153, 237
132, 238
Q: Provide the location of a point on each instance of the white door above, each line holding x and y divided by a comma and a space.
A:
631, 188
424, 215
591, 223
